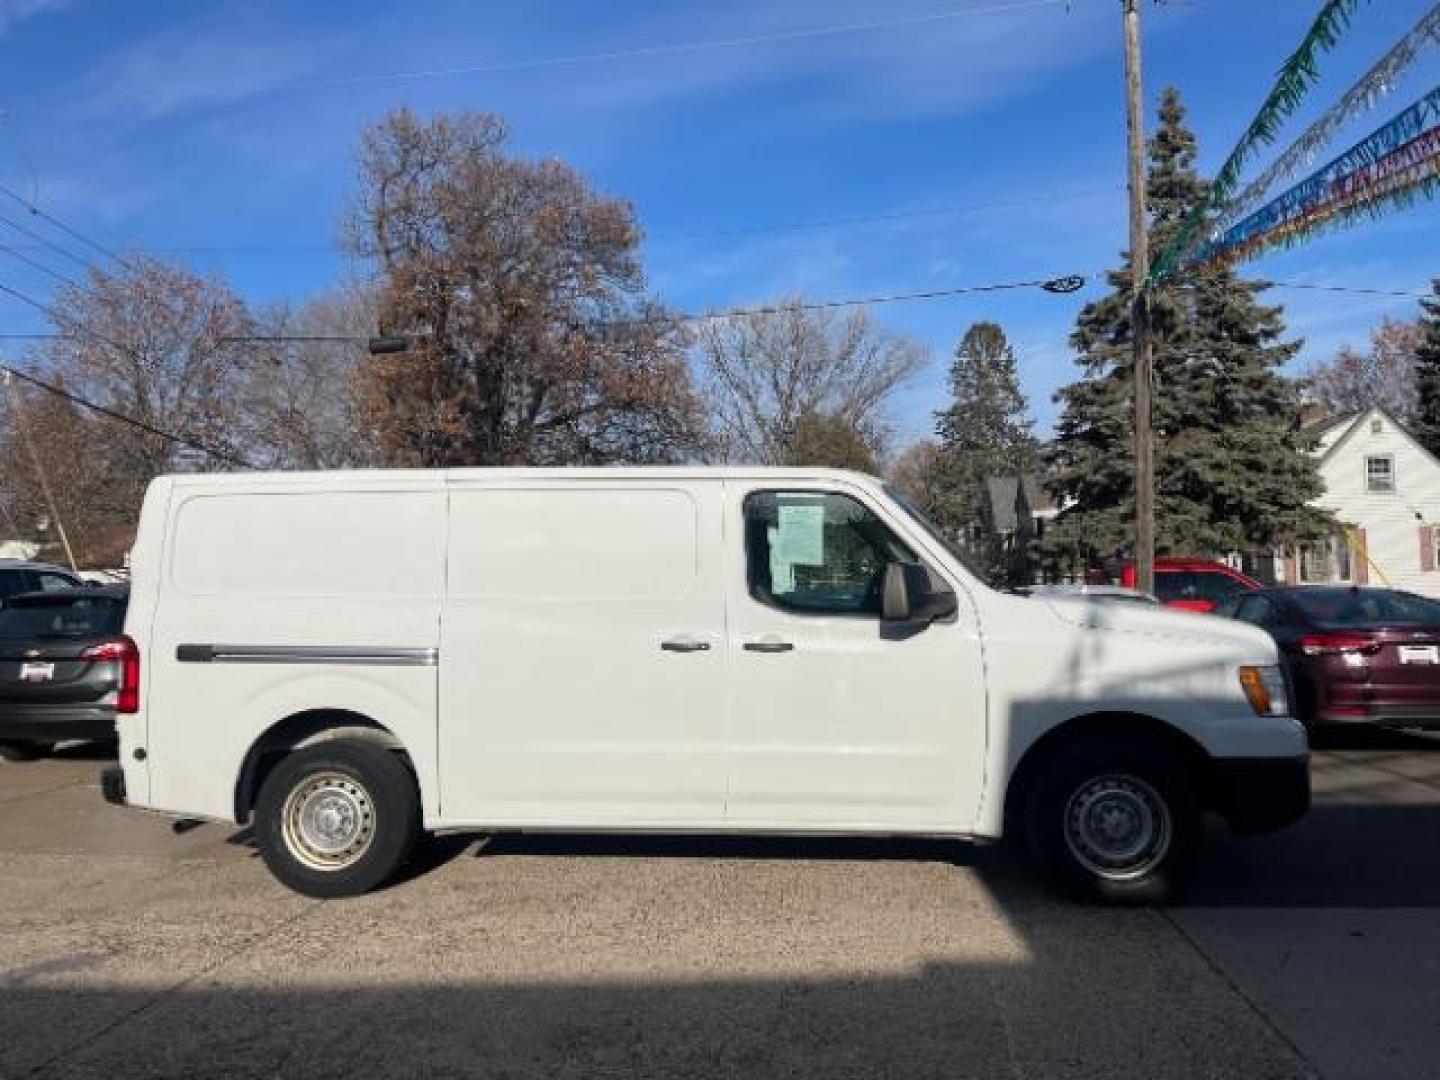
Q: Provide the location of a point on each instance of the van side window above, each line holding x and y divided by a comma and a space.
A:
817, 553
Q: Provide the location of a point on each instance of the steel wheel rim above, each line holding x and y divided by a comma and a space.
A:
1118, 827
328, 821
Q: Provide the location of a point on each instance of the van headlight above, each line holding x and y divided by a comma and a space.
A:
1266, 690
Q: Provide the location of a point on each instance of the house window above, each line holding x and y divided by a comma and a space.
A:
1379, 472
1324, 563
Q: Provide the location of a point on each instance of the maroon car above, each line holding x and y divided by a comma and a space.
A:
1354, 654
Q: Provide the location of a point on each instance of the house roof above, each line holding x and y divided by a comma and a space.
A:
1355, 421
1320, 428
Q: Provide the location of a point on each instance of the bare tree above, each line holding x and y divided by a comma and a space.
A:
157, 343
301, 397
920, 472
535, 341
1383, 375
54, 475
765, 372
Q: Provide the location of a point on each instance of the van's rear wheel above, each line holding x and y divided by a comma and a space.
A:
1113, 819
337, 818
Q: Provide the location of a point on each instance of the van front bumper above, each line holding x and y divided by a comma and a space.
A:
1260, 795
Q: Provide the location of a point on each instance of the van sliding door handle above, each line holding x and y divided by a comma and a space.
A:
685, 644
768, 646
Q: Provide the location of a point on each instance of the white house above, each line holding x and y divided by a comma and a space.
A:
1385, 487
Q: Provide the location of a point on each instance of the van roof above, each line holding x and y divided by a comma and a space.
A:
344, 478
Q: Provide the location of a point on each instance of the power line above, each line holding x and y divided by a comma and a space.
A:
36, 264
56, 316
1351, 289
179, 440
293, 337
57, 223
44, 242
674, 49
1359, 290
844, 221
1067, 284
1064, 284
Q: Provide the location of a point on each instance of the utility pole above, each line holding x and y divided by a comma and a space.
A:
1142, 368
19, 418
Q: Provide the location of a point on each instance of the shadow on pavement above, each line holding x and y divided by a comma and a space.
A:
987, 1015
1365, 843
1366, 737
729, 847
1341, 855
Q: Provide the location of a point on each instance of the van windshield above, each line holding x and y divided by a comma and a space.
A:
934, 532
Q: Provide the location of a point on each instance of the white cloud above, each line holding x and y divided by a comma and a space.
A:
181, 71
14, 11
932, 69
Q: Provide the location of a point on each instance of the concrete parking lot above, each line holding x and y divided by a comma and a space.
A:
130, 951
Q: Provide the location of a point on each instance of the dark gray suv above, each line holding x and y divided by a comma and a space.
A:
65, 665
18, 577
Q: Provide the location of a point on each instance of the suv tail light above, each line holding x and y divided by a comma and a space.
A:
1335, 644
126, 653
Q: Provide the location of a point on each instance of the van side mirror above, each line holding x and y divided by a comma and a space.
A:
908, 595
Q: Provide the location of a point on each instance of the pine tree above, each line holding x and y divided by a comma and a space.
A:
1426, 421
1232, 467
985, 432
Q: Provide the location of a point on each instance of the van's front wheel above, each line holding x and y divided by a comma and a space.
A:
1113, 820
338, 818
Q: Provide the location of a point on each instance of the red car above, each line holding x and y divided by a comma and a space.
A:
1354, 654
1192, 584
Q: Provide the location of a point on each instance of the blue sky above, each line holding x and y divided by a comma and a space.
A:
223, 132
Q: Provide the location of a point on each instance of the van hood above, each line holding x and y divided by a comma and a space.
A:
1161, 622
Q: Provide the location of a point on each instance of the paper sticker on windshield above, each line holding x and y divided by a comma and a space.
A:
801, 539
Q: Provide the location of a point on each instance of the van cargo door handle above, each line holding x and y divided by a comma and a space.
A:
768, 646
685, 644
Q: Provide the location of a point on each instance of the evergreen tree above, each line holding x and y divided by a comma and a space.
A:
985, 432
1426, 422
1232, 467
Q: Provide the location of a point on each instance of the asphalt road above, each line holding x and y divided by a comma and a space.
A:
132, 952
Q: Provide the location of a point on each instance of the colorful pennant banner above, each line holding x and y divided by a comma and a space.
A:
1391, 168
1299, 72
1374, 85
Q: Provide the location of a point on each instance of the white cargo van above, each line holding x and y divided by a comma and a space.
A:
346, 659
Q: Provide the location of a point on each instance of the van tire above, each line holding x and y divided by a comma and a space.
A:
1113, 820
337, 818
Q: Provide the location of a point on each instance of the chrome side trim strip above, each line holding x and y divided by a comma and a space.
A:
306, 654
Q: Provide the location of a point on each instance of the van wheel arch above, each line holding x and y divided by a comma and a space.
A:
297, 731
1195, 759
